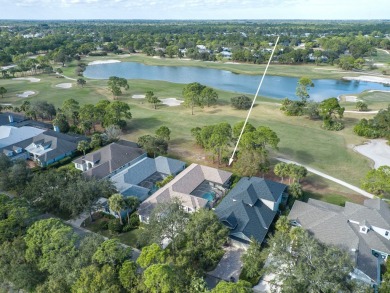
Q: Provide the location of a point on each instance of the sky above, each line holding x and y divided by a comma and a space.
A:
194, 9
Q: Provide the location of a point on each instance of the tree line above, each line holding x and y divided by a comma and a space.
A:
46, 255
248, 41
329, 110
254, 145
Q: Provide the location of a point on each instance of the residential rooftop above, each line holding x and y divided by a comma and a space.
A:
356, 228
109, 159
250, 207
183, 185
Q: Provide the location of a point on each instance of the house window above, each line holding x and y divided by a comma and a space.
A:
387, 233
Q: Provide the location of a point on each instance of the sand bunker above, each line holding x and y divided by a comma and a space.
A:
377, 150
138, 96
351, 99
7, 67
66, 85
171, 102
30, 79
25, 94
373, 91
103, 62
369, 78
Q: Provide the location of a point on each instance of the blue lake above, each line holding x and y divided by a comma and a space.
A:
273, 86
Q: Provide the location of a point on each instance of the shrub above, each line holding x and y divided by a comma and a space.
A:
241, 102
361, 106
160, 184
98, 53
114, 226
127, 228
292, 108
134, 221
108, 216
332, 125
103, 225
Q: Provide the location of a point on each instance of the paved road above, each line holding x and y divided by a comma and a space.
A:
229, 266
362, 112
66, 77
350, 186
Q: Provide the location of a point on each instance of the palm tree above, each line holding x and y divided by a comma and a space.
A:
131, 203
117, 203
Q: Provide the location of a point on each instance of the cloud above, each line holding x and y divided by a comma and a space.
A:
194, 9
205, 4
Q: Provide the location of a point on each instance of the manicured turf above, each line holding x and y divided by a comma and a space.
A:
381, 57
301, 140
335, 199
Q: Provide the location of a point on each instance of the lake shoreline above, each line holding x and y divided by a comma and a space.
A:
275, 86
313, 71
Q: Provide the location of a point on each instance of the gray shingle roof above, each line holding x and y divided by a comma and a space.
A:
338, 226
4, 118
110, 158
141, 170
244, 211
59, 143
168, 166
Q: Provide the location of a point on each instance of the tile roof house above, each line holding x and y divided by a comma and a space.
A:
195, 187
250, 207
139, 179
360, 229
110, 159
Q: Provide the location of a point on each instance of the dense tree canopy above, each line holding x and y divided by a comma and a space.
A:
377, 181
192, 94
379, 126
241, 102
302, 264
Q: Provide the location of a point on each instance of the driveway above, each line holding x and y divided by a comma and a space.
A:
77, 222
230, 265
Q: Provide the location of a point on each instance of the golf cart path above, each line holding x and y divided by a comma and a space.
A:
66, 77
350, 186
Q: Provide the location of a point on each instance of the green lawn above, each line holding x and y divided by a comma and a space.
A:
335, 199
375, 100
301, 140
129, 238
381, 57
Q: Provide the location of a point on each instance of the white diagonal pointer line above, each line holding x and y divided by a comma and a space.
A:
253, 102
